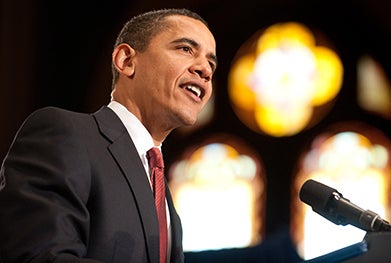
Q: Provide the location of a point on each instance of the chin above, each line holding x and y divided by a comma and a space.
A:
189, 122
187, 119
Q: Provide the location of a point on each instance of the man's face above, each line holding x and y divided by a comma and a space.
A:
173, 76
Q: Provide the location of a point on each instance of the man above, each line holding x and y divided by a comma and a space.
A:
76, 186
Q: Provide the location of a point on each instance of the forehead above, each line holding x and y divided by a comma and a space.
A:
178, 26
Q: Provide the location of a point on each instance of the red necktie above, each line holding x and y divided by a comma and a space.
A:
156, 164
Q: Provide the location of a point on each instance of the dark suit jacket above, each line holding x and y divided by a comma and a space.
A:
76, 191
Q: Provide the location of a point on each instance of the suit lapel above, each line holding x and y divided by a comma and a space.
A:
125, 154
176, 248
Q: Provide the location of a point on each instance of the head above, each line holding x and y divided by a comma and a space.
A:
163, 63
139, 30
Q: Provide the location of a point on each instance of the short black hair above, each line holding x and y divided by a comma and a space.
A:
139, 30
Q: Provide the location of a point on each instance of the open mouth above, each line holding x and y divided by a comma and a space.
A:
194, 89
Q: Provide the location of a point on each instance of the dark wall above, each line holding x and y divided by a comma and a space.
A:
58, 53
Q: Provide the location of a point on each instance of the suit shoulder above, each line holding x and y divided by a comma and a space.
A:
54, 111
51, 117
53, 114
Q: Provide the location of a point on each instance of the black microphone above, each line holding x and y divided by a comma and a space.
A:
330, 204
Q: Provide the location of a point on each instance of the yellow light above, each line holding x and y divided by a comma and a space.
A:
346, 162
276, 87
239, 83
374, 88
217, 181
285, 34
226, 205
281, 123
329, 75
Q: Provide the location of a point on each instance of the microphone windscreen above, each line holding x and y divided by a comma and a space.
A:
316, 194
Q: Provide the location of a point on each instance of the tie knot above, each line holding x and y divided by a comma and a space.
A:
155, 158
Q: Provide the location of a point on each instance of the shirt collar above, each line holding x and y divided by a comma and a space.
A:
142, 139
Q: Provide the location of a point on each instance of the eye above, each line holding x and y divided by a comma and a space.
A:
187, 49
212, 66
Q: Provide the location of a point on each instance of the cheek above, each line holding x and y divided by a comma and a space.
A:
208, 94
172, 68
164, 68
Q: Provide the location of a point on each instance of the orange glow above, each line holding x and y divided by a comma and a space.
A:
329, 79
274, 121
285, 34
276, 87
374, 88
219, 181
239, 80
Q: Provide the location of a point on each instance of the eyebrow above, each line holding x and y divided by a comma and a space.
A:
195, 44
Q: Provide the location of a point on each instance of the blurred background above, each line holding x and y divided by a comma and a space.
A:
302, 91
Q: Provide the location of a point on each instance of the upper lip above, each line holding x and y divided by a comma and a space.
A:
197, 84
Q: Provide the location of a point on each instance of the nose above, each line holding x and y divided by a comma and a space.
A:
203, 69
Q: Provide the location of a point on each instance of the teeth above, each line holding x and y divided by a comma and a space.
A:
195, 90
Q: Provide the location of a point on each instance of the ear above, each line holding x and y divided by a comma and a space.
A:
122, 58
